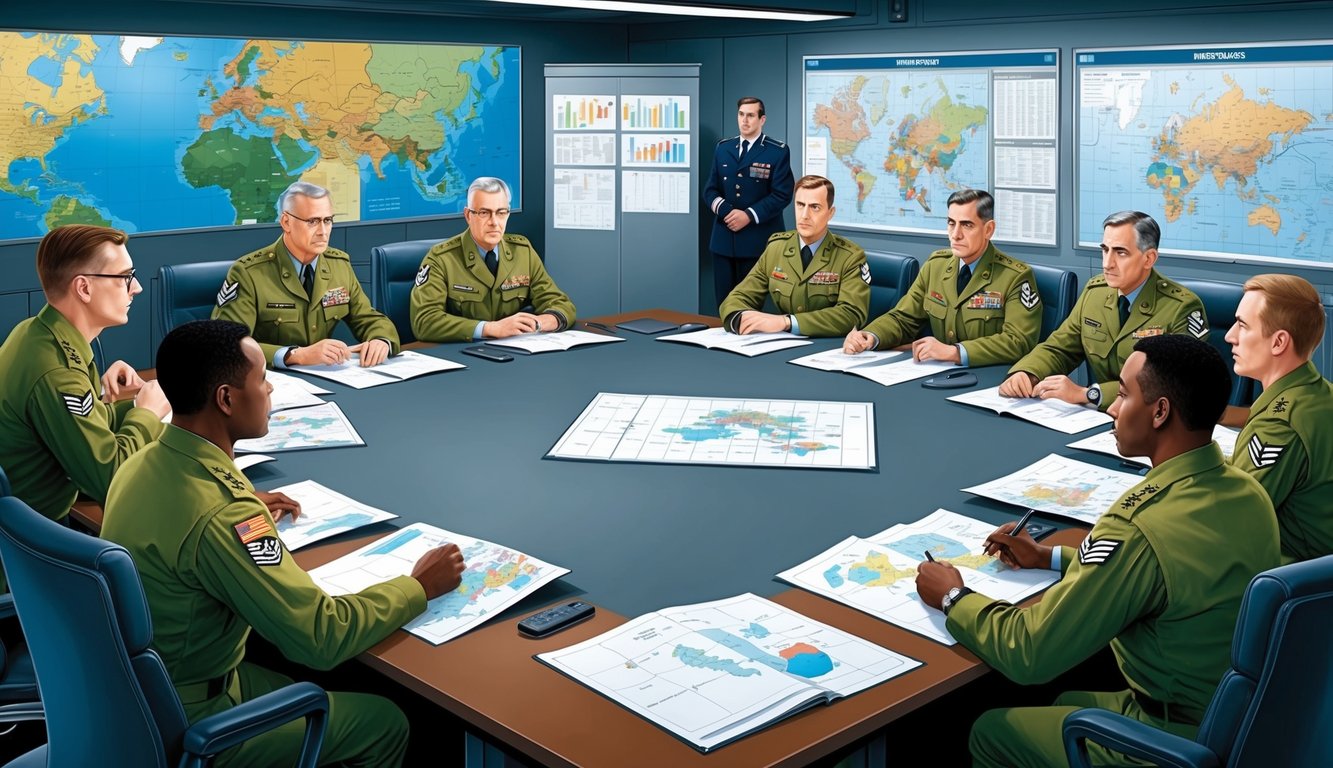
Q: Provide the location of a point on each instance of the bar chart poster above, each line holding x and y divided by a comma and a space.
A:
655, 150
583, 113
654, 113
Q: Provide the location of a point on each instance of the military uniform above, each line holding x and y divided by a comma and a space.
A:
828, 298
212, 567
1160, 577
1287, 445
997, 318
1093, 332
455, 289
56, 435
760, 181
263, 292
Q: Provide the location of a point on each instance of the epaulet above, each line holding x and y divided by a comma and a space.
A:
789, 234
780, 144
337, 254
446, 245
842, 242
1133, 499
228, 479
518, 240
1278, 410
942, 253
1009, 261
728, 139
1097, 281
258, 257
1169, 287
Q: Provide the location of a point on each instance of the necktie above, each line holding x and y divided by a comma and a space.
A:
806, 256
1124, 310
492, 263
308, 279
964, 275
745, 147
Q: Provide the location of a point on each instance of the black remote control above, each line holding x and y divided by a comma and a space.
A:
486, 353
552, 620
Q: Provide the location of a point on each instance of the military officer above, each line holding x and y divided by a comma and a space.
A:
1160, 576
213, 566
749, 186
982, 305
1130, 300
1286, 443
292, 293
819, 281
480, 283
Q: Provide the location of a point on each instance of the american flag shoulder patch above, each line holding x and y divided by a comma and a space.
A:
1097, 551
253, 528
260, 541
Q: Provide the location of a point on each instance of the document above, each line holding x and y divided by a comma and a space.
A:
877, 574
1104, 442
886, 368
749, 345
403, 366
496, 577
249, 460
324, 513
560, 341
298, 429
289, 392
1061, 486
714, 672
277, 378
1052, 414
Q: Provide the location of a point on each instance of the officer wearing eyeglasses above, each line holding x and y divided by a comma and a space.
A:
292, 293
481, 283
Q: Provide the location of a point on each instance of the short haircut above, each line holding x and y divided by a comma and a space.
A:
985, 203
303, 188
71, 250
1291, 304
489, 185
1146, 231
198, 357
1189, 373
742, 101
815, 182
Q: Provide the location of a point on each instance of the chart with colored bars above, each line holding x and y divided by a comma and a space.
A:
649, 149
592, 113
654, 113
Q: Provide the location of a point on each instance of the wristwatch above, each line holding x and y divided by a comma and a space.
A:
952, 597
1094, 395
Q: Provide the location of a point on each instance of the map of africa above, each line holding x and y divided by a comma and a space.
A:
159, 133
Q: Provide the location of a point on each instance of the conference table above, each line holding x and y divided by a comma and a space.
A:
465, 450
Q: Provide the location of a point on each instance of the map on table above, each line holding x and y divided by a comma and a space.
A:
159, 133
1061, 486
324, 513
728, 431
298, 429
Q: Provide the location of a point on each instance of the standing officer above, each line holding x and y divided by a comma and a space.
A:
749, 186
292, 293
213, 566
480, 283
1160, 576
819, 281
1287, 444
982, 305
1129, 301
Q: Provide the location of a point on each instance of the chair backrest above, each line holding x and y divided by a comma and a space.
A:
1219, 303
5, 489
1059, 290
83, 611
188, 292
393, 272
891, 274
1278, 695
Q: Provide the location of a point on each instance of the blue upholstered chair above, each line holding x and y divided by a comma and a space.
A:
1273, 705
18, 682
188, 292
108, 699
393, 272
891, 274
1219, 304
1059, 290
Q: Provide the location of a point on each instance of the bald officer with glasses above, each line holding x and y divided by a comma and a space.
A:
292, 293
483, 283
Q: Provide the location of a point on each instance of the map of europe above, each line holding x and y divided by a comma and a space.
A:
159, 133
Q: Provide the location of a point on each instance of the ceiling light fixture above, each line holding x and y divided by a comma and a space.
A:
714, 11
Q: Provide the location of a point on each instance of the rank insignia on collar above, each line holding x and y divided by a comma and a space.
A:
1197, 327
825, 278
1097, 551
422, 275
71, 352
1263, 455
1028, 297
335, 297
227, 292
259, 540
79, 405
865, 273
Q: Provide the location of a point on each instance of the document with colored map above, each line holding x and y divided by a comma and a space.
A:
878, 574
533, 343
290, 392
299, 429
750, 345
1060, 486
324, 513
1052, 414
1104, 442
401, 367
496, 577
884, 368
731, 431
714, 672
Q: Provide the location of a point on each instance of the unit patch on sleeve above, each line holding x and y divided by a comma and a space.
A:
260, 541
79, 405
1263, 455
1197, 326
227, 292
1027, 296
423, 274
1097, 551
865, 273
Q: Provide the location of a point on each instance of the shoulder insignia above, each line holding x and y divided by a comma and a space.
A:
1197, 327
1280, 405
1028, 296
517, 240
865, 273
943, 253
228, 478
71, 353
1173, 289
1131, 500
446, 245
260, 540
1097, 551
720, 142
1097, 281
789, 234
776, 142
336, 254
79, 405
1262, 456
423, 275
227, 292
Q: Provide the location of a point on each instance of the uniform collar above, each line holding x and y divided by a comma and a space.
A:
78, 352
476, 262
1142, 302
292, 279
210, 457
1181, 466
1302, 376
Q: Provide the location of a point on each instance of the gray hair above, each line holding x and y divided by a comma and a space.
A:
489, 184
1146, 231
985, 203
303, 188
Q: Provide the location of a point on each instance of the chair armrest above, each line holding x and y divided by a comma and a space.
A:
224, 730
7, 610
27, 710
1131, 737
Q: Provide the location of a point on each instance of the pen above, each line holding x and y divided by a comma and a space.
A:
929, 556
1022, 522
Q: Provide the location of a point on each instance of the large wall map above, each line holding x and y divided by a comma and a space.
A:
161, 133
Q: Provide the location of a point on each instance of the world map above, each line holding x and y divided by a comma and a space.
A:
784, 432
160, 133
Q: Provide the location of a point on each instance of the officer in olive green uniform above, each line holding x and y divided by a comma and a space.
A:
213, 567
1093, 331
827, 298
1287, 445
455, 290
996, 318
263, 292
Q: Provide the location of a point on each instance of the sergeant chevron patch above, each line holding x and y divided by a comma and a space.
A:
266, 551
1028, 297
1263, 455
1097, 551
226, 293
422, 274
865, 273
1197, 327
79, 405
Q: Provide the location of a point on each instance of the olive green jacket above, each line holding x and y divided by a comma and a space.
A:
828, 298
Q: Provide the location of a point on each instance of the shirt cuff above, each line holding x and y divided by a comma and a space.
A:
962, 354
717, 201
560, 322
1055, 558
279, 355
477, 333
795, 326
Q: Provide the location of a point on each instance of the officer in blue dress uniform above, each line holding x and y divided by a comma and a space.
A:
748, 187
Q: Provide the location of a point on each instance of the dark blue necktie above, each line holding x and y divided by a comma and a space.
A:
308, 279
806, 256
492, 262
1124, 310
745, 147
964, 274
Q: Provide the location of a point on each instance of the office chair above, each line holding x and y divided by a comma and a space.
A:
1273, 704
393, 273
107, 695
18, 682
188, 292
1219, 304
1059, 290
891, 274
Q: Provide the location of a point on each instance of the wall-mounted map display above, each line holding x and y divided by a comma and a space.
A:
898, 134
1229, 147
162, 133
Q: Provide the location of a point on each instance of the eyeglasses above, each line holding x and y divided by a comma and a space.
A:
315, 222
128, 277
487, 213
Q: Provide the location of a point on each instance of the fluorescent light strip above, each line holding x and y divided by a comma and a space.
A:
680, 10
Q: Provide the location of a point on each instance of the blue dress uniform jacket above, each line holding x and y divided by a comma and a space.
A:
761, 181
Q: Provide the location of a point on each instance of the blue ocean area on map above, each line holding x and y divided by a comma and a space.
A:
916, 545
